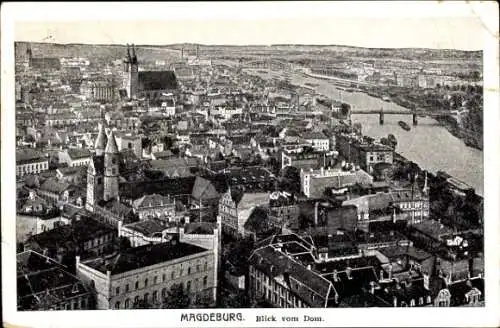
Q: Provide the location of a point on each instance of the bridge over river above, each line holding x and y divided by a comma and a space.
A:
414, 113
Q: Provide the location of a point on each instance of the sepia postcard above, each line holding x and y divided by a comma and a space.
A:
254, 164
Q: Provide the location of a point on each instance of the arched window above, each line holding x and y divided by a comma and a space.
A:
146, 282
205, 281
155, 280
136, 285
189, 270
163, 277
155, 296
146, 297
117, 305
163, 293
127, 303
136, 300
188, 286
205, 266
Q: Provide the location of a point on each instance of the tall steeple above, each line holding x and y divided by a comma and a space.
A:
134, 56
425, 189
101, 141
129, 57
111, 147
111, 168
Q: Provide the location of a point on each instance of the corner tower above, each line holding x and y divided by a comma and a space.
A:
111, 165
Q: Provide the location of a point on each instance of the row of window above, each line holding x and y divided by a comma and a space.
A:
154, 296
97, 241
164, 279
74, 305
32, 168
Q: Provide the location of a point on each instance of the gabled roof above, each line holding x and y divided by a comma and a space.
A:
204, 189
153, 200
77, 153
157, 80
54, 186
275, 263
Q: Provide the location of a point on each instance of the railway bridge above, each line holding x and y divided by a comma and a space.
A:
414, 113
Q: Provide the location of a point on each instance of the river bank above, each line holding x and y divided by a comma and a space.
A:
402, 98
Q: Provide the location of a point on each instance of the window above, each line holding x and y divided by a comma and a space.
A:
412, 303
205, 266
163, 277
117, 305
113, 160
146, 282
188, 286
127, 303
163, 293
155, 296
172, 275
136, 300
421, 301
117, 290
189, 270
129, 145
146, 297
205, 281
136, 285
155, 280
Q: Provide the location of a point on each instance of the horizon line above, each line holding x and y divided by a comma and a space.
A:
252, 45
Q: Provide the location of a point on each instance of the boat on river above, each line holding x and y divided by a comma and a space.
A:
404, 125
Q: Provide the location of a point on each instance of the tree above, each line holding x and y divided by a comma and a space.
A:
236, 300
177, 298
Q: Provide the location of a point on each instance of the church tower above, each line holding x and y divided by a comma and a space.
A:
134, 74
29, 54
95, 171
131, 73
111, 164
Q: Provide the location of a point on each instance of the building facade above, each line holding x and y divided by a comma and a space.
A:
30, 162
149, 273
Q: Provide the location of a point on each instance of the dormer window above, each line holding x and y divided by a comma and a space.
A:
74, 290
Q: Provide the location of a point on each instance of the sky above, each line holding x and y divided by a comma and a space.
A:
366, 24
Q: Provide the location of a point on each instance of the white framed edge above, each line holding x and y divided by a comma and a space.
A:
487, 316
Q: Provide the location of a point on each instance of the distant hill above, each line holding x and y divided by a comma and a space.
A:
170, 51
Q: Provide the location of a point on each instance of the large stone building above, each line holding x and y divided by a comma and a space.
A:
145, 84
314, 183
144, 274
363, 152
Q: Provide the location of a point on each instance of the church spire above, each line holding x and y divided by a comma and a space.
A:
102, 139
134, 56
425, 190
129, 57
111, 147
